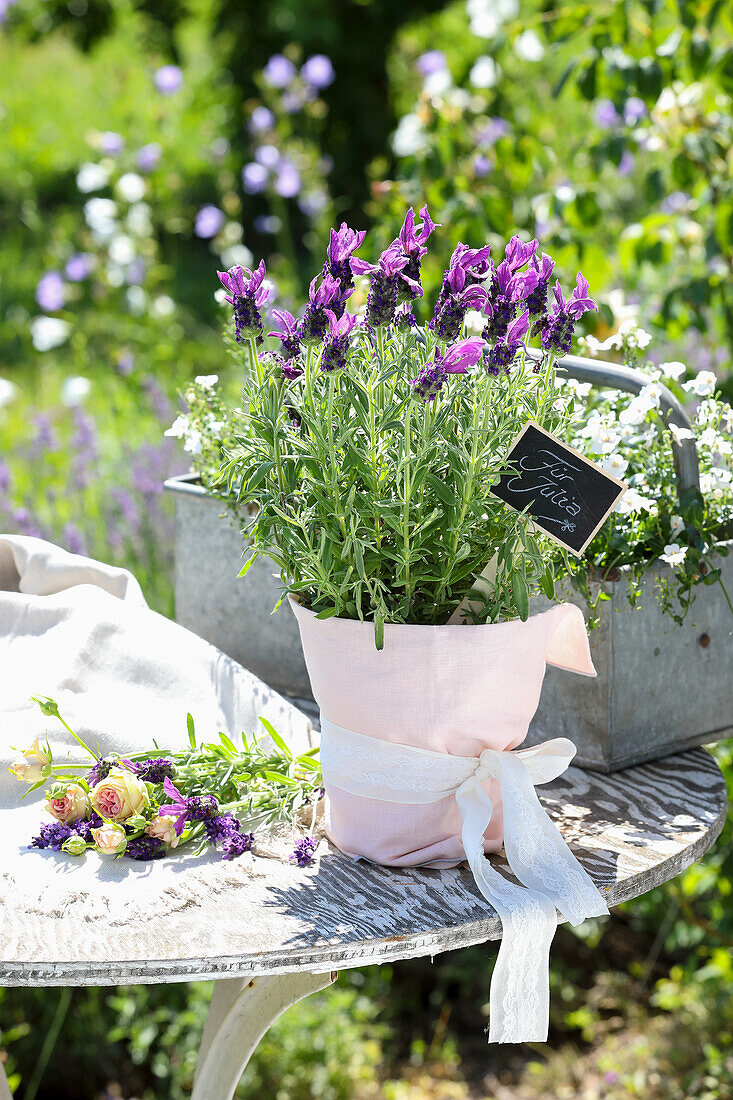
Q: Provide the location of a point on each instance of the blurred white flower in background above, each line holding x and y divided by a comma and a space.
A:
484, 73
49, 332
100, 215
138, 219
92, 177
8, 391
121, 250
487, 16
163, 306
130, 187
208, 381
74, 390
409, 137
238, 254
528, 46
137, 300
673, 370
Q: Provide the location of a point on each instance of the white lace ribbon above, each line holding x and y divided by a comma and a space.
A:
538, 856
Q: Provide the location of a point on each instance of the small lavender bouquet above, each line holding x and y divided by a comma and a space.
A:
367, 447
148, 804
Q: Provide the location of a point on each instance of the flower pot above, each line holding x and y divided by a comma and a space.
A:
661, 688
448, 689
233, 614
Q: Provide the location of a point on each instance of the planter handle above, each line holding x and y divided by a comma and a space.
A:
602, 373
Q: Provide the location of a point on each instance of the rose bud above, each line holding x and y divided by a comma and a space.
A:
110, 839
68, 802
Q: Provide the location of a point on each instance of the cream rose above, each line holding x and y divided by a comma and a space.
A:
109, 838
120, 795
29, 766
163, 828
72, 807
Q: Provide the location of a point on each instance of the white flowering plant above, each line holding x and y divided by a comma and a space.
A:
628, 436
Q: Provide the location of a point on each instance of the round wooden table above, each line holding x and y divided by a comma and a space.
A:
271, 933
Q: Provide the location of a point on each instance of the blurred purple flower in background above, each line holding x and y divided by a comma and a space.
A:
73, 539
209, 221
482, 166
278, 72
254, 178
267, 223
148, 156
51, 291
79, 266
111, 143
605, 114
5, 6
261, 119
627, 163
433, 61
125, 363
287, 181
168, 79
634, 110
674, 203
490, 132
318, 71
268, 156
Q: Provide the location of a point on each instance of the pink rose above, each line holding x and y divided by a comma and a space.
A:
163, 828
72, 807
120, 795
109, 839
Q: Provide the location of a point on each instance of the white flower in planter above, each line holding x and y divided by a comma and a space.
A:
636, 411
179, 428
703, 385
680, 434
614, 464
208, 381
634, 501
674, 554
673, 370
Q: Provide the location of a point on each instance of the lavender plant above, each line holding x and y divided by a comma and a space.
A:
370, 449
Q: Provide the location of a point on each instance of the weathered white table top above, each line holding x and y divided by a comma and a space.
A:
196, 919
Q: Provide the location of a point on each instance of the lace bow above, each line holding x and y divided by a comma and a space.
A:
538, 856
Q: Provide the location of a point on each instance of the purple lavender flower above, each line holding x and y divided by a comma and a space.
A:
209, 221
26, 524
79, 267
459, 357
675, 202
292, 371
325, 296
287, 333
404, 318
432, 61
501, 356
287, 181
557, 333
237, 844
268, 156
178, 808
412, 243
336, 346
111, 143
536, 300
267, 223
101, 770
261, 120
518, 253
4, 476
73, 539
507, 289
278, 72
148, 156
145, 848
254, 178
482, 166
168, 79
429, 381
340, 262
318, 71
460, 291
202, 807
55, 833
247, 296
383, 292
51, 292
221, 827
606, 115
303, 851
155, 769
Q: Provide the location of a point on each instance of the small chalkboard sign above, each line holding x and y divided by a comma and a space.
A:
566, 494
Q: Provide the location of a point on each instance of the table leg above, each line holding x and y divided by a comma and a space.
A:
240, 1013
5, 1093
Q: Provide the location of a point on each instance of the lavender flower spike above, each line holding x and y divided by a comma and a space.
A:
537, 300
287, 333
412, 242
457, 295
518, 253
503, 352
558, 331
329, 294
340, 263
335, 348
247, 296
382, 300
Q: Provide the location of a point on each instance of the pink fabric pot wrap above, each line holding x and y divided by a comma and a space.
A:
452, 689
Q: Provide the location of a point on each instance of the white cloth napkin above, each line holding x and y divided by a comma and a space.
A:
80, 631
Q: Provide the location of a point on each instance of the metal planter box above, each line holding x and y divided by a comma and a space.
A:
661, 688
234, 615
